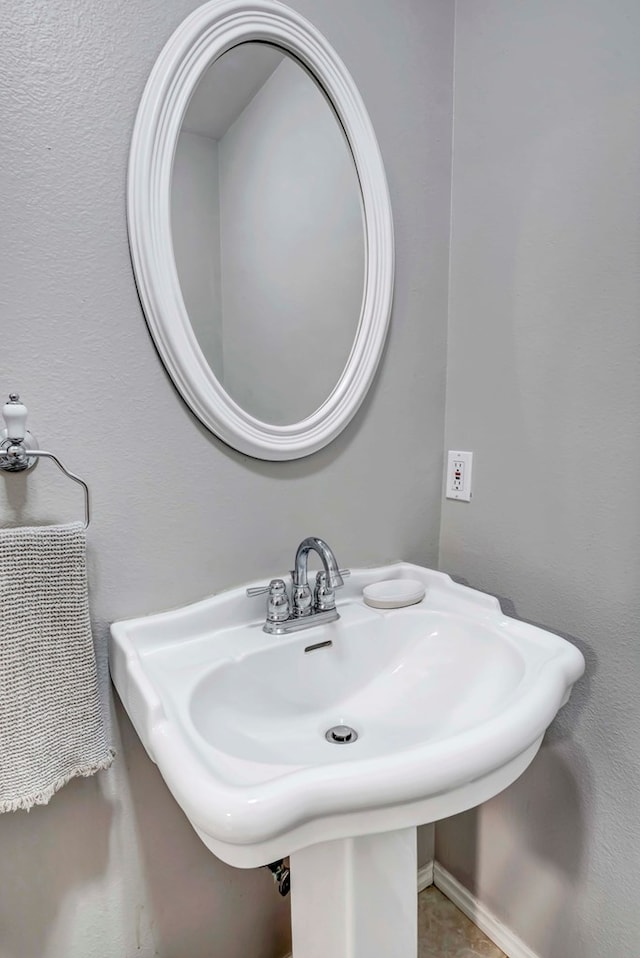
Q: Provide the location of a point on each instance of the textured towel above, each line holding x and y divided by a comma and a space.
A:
51, 726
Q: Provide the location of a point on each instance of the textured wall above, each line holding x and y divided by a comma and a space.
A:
544, 385
110, 868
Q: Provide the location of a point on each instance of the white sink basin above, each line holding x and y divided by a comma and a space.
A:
401, 679
450, 699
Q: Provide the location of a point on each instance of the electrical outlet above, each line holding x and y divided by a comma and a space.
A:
458, 484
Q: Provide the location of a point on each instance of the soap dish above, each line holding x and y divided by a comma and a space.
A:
393, 593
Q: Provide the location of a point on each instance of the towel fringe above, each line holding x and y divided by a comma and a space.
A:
26, 802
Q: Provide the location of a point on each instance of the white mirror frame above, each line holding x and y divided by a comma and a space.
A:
205, 35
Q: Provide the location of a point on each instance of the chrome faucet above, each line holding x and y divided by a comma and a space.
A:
305, 609
301, 595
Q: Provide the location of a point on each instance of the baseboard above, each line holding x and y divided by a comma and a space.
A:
492, 927
425, 876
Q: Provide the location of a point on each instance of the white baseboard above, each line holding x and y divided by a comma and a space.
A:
434, 874
425, 876
487, 922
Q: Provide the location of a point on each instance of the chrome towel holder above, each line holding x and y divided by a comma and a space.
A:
18, 448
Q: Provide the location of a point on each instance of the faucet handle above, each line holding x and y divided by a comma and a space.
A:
260, 589
275, 586
343, 573
278, 604
321, 577
324, 594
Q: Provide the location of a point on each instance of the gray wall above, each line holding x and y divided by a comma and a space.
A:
544, 387
110, 868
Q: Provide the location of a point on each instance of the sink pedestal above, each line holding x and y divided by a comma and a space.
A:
356, 897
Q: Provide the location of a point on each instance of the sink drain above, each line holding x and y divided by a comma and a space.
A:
341, 735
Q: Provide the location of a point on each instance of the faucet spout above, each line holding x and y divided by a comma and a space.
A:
334, 579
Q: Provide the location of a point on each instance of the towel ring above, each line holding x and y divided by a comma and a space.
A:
17, 452
71, 475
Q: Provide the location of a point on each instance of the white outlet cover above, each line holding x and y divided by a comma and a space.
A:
458, 478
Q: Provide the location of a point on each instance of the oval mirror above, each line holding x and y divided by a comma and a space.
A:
260, 228
268, 235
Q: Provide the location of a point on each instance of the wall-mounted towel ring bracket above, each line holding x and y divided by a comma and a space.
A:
18, 452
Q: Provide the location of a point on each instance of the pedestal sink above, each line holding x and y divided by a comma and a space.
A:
449, 698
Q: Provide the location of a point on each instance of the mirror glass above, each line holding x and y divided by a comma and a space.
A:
268, 232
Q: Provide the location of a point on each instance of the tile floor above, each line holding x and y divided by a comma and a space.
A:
444, 932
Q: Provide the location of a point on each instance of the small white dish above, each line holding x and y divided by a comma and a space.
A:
393, 593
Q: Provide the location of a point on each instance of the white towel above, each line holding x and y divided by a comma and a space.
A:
51, 726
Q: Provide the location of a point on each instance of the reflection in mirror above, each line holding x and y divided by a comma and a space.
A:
268, 232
